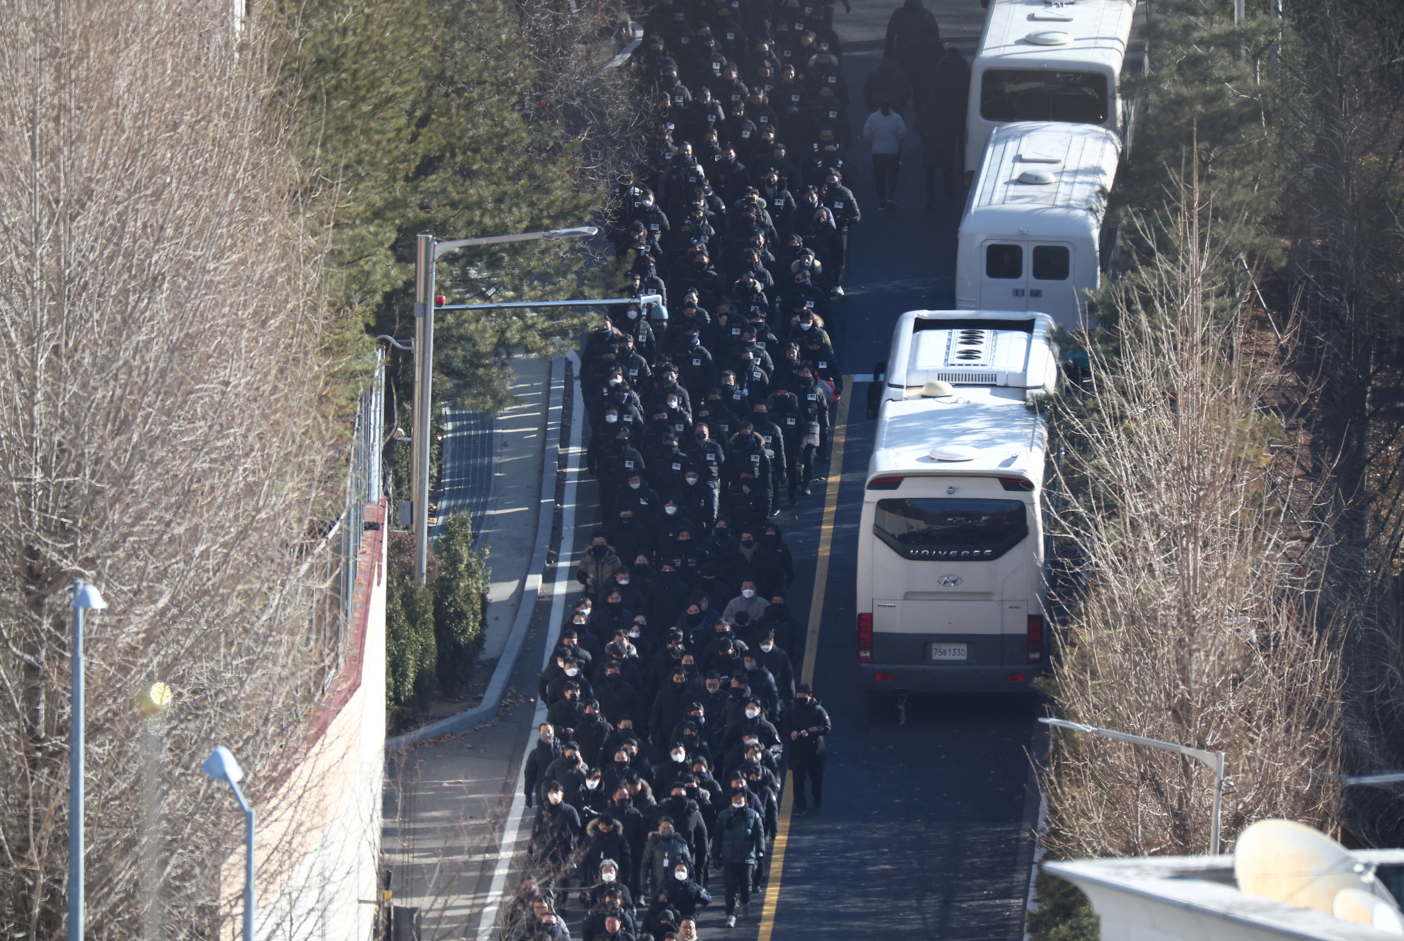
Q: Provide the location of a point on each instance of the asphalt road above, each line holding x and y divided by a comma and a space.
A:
924, 830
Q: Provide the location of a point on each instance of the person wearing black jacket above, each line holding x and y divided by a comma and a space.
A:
772, 563
617, 698
812, 404
604, 840
547, 750
739, 846
555, 832
591, 732
809, 723
635, 829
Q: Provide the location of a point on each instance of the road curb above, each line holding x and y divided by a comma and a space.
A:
531, 590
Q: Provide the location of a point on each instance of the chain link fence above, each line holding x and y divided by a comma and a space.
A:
327, 577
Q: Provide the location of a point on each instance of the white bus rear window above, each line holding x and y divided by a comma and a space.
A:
937, 528
1028, 95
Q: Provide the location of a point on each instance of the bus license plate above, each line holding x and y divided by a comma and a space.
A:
948, 652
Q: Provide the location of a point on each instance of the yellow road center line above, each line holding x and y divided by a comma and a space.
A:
811, 649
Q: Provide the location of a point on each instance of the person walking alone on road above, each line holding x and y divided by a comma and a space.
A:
940, 122
809, 723
741, 844
913, 38
885, 130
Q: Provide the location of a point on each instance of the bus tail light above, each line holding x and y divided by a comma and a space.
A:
865, 638
1035, 638
885, 677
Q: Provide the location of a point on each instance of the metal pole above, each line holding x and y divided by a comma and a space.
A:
423, 382
249, 909
1216, 761
75, 777
1218, 806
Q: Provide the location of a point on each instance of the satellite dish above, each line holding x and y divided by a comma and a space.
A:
936, 389
1289, 862
954, 453
1051, 37
1363, 908
1038, 177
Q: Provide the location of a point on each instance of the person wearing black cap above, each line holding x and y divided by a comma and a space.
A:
809, 723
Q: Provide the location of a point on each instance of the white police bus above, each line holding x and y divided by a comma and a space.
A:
1032, 234
951, 559
1057, 61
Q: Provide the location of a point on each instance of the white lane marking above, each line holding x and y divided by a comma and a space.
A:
506, 850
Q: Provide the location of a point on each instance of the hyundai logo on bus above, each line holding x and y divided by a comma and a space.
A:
950, 581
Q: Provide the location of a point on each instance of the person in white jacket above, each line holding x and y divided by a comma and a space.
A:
885, 130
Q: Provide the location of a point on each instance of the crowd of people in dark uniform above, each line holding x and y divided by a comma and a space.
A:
672, 703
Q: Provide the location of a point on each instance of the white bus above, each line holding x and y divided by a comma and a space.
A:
1042, 61
1031, 237
951, 559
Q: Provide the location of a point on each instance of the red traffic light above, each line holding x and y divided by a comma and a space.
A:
440, 300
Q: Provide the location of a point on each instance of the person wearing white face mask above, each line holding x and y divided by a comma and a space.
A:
604, 841
559, 688
685, 895
774, 658
747, 723
739, 846
747, 601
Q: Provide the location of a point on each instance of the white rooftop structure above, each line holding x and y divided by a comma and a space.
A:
1091, 32
1197, 898
1043, 179
958, 388
1006, 348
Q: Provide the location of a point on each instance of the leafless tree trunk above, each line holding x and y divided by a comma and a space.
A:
158, 350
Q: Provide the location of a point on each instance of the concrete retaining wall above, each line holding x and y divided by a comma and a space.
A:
318, 841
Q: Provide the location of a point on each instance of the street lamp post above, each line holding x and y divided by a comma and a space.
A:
222, 766
85, 597
152, 701
1214, 759
429, 250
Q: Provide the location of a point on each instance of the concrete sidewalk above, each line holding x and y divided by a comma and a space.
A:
450, 789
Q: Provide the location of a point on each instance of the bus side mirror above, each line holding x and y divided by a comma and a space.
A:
875, 388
